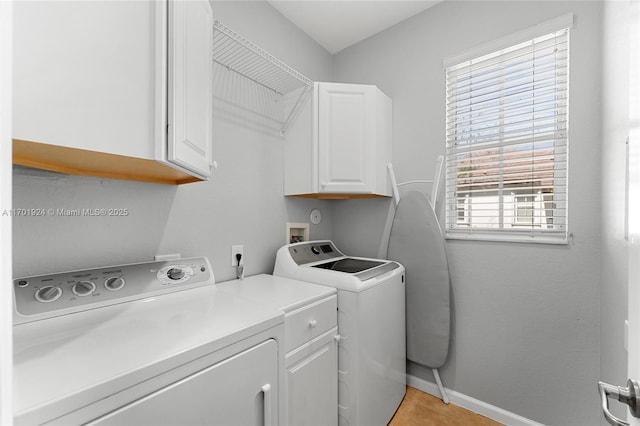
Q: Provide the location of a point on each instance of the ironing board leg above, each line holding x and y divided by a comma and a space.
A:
445, 398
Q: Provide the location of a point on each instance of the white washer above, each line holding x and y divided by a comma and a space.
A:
147, 344
371, 323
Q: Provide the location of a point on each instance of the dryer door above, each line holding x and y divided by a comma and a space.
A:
238, 390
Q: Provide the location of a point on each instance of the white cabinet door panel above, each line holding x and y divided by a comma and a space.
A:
83, 75
227, 393
312, 382
347, 138
191, 85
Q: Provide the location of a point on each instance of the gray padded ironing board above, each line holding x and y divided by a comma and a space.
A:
416, 242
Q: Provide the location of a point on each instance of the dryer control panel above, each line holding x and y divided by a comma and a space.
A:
46, 296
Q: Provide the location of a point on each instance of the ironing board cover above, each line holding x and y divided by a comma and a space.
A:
416, 241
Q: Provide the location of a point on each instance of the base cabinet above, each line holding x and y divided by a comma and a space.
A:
312, 382
117, 89
340, 145
311, 362
241, 390
309, 348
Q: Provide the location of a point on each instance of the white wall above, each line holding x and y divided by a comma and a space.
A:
526, 322
242, 204
615, 107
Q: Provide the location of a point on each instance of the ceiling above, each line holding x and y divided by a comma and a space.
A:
337, 24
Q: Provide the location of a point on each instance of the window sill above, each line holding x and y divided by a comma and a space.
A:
559, 239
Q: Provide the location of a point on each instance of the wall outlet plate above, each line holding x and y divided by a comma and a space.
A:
239, 249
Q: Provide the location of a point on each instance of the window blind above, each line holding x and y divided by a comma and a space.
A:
507, 144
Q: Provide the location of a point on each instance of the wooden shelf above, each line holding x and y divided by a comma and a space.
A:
82, 162
338, 196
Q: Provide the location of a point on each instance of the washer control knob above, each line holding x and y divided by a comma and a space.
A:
315, 249
83, 288
175, 273
114, 283
48, 294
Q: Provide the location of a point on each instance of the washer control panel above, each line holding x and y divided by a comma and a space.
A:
313, 251
46, 296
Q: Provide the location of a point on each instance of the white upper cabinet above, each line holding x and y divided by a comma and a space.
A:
95, 82
340, 145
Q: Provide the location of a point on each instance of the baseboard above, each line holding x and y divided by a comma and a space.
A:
472, 404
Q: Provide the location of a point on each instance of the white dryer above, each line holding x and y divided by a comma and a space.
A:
371, 323
151, 343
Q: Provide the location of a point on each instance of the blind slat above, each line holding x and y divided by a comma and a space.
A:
559, 37
514, 94
550, 138
488, 114
513, 72
506, 129
483, 70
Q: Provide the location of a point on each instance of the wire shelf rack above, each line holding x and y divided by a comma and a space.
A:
237, 54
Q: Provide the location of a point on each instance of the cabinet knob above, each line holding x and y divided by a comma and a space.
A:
313, 323
337, 337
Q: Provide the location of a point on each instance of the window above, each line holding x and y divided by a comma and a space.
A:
507, 142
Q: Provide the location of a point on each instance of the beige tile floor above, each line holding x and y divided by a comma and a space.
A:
421, 409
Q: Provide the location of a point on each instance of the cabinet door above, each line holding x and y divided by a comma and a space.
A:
312, 382
241, 390
83, 75
346, 138
190, 81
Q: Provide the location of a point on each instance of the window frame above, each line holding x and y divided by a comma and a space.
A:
512, 231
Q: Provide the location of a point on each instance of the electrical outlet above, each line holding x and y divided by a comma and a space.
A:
234, 251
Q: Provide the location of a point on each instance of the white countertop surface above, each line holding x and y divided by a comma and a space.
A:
75, 359
277, 292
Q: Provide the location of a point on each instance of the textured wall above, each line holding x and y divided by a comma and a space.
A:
526, 323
